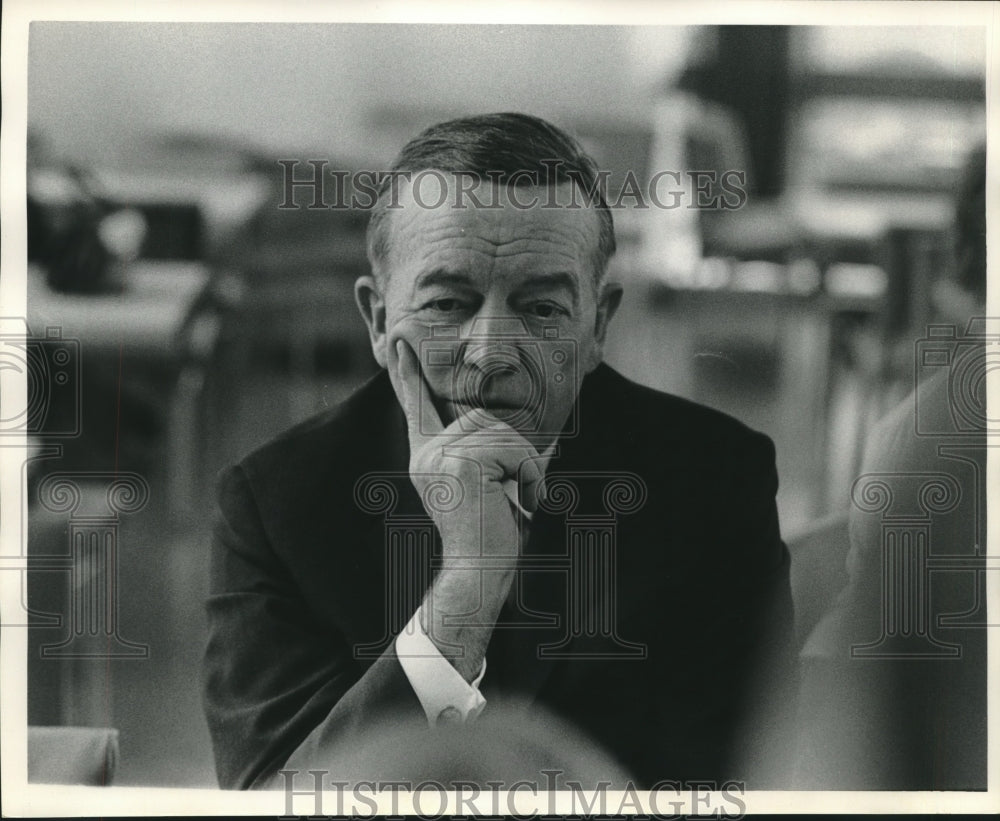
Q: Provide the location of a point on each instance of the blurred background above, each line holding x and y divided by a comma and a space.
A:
209, 319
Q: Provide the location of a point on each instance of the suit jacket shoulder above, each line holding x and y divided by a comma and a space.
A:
307, 469
698, 456
625, 411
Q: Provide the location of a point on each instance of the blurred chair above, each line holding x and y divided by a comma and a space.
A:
86, 756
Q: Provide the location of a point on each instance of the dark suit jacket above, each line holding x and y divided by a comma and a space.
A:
299, 582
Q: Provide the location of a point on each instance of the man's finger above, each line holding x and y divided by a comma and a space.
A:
531, 483
421, 415
510, 459
521, 464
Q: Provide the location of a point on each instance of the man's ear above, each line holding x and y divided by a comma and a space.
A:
608, 301
371, 303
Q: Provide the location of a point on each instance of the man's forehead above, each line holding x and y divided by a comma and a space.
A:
440, 206
426, 188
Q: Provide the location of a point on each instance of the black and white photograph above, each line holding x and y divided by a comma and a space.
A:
411, 410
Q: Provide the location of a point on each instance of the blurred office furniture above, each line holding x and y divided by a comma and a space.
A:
874, 150
151, 697
741, 78
745, 326
151, 352
146, 400
143, 359
84, 756
880, 122
744, 71
190, 194
195, 192
143, 354
236, 320
65, 215
298, 322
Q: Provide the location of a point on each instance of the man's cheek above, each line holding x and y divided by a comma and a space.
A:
588, 356
418, 336
411, 331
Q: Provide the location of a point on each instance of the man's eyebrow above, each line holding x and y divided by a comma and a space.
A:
547, 280
556, 279
442, 276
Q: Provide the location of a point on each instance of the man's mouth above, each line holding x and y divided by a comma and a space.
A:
504, 411
506, 408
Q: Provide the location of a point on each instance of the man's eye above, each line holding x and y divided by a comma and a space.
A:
543, 310
445, 306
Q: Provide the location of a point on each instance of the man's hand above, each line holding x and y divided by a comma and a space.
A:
480, 522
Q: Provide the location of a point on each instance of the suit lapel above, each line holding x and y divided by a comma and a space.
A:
534, 638
535, 614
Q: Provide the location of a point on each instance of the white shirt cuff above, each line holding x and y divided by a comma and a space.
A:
443, 693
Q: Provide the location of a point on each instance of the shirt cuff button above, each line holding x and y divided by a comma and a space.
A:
449, 715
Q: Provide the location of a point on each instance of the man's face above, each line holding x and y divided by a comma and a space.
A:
500, 305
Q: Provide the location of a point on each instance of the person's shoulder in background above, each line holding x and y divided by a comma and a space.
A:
896, 442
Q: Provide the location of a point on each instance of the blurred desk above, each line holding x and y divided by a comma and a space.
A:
146, 318
865, 217
144, 352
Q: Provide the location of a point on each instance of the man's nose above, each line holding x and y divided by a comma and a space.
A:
492, 341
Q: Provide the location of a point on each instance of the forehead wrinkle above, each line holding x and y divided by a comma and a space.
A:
489, 243
503, 220
573, 239
501, 263
448, 239
514, 252
567, 243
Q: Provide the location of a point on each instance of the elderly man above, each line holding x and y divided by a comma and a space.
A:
498, 521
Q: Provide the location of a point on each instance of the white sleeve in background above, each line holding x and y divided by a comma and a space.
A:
443, 693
